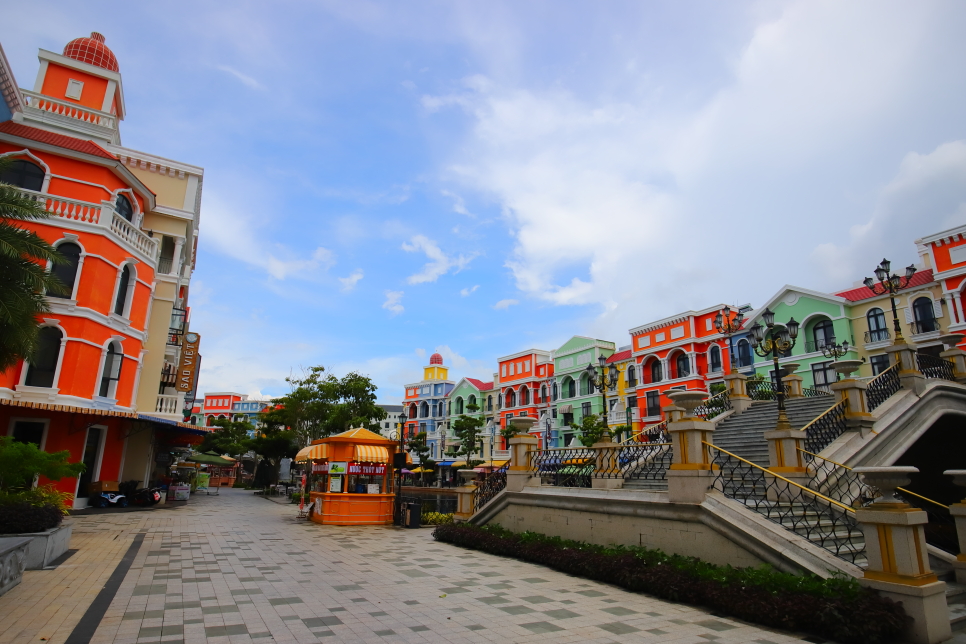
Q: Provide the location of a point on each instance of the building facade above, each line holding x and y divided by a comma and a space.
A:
425, 401
575, 397
526, 386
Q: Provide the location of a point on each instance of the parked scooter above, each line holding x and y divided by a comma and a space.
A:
107, 499
146, 496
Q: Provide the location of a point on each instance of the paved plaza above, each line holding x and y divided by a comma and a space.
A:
236, 568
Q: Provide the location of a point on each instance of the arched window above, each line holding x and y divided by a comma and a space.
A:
878, 330
571, 388
412, 410
459, 405
543, 392
585, 387
553, 388
822, 334
111, 372
40, 372
631, 376
744, 353
682, 365
524, 396
124, 207
511, 398
925, 315
657, 372
424, 410
24, 174
499, 401
123, 288
67, 273
472, 400
714, 357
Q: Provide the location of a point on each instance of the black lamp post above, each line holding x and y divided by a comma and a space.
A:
728, 326
775, 339
835, 351
607, 377
890, 284
400, 462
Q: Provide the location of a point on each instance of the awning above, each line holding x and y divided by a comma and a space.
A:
565, 409
371, 454
458, 464
494, 463
312, 452
445, 463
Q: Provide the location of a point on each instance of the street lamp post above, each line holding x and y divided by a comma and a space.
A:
607, 377
400, 463
774, 340
835, 351
728, 326
890, 284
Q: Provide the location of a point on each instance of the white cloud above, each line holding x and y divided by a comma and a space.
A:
349, 283
244, 78
421, 353
459, 205
440, 263
393, 302
505, 304
467, 291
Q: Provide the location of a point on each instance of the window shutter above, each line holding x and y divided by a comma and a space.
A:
937, 309
909, 318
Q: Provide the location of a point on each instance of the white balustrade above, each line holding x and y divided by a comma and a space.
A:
501, 454
72, 209
129, 233
169, 404
70, 110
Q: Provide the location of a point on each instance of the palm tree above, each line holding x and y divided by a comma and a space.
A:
23, 275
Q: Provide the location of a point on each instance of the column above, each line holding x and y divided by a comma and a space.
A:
521, 444
958, 510
177, 263
794, 384
955, 355
898, 560
738, 391
853, 392
910, 377
690, 474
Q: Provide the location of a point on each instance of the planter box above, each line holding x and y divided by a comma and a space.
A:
44, 547
13, 560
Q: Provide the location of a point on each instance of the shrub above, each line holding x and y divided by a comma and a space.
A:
837, 608
20, 517
436, 518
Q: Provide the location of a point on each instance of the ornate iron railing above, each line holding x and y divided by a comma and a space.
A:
491, 485
843, 484
883, 387
714, 406
822, 520
563, 467
826, 428
647, 461
654, 434
809, 392
764, 390
878, 335
933, 367
923, 326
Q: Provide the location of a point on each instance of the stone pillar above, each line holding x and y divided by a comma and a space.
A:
672, 412
794, 384
518, 472
785, 459
738, 391
910, 377
898, 560
176, 262
607, 470
464, 503
857, 416
955, 355
958, 510
690, 473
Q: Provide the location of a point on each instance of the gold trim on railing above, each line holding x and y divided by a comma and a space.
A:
884, 372
841, 403
779, 476
628, 441
901, 489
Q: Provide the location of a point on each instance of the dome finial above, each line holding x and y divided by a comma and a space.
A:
436, 359
93, 51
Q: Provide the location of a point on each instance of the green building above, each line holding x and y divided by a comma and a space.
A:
574, 395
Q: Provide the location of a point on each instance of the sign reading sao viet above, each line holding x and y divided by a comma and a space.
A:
188, 369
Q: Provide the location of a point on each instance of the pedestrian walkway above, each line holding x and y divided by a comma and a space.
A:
235, 568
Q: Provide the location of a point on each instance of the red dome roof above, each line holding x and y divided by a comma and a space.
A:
92, 51
435, 359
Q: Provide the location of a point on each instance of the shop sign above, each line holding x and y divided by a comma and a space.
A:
319, 467
188, 369
338, 468
368, 469
335, 484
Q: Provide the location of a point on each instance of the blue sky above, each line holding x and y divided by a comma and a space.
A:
388, 179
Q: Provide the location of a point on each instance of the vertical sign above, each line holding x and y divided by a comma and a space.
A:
188, 369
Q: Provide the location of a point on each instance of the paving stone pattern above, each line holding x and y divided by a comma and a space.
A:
235, 568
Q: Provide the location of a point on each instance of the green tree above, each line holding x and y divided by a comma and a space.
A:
21, 463
418, 446
271, 446
467, 429
230, 438
23, 275
592, 430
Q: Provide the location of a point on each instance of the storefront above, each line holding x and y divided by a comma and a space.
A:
350, 481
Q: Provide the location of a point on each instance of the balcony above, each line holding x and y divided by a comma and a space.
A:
165, 264
84, 215
75, 118
879, 335
170, 406
924, 327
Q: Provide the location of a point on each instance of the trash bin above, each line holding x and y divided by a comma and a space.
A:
415, 511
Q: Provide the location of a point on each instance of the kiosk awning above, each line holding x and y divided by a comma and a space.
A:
371, 454
312, 452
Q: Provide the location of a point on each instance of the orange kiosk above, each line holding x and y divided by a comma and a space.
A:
350, 480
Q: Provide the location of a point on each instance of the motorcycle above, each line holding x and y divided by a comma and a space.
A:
146, 496
106, 499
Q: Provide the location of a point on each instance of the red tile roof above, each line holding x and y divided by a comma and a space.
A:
863, 293
52, 138
479, 384
620, 355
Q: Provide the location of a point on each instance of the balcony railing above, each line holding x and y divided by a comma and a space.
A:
933, 367
879, 335
164, 265
70, 110
169, 375
923, 326
102, 214
171, 404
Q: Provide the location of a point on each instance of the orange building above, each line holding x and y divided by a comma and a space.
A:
526, 385
945, 252
101, 384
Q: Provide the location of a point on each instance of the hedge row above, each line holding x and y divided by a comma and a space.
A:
17, 518
838, 608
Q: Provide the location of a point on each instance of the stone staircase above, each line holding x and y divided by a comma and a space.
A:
743, 434
956, 600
